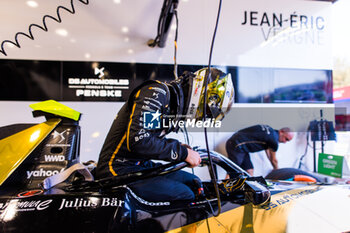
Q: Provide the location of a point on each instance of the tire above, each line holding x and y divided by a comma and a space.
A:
287, 173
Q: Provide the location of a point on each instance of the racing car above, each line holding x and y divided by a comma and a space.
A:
45, 188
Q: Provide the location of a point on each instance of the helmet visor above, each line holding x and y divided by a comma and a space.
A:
220, 95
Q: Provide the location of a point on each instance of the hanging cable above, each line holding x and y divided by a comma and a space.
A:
175, 44
306, 147
168, 10
166, 15
42, 27
165, 18
206, 80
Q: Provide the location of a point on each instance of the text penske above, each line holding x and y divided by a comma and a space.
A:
98, 93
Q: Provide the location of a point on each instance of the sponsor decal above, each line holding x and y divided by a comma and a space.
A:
158, 90
57, 134
98, 86
26, 205
121, 160
30, 193
265, 128
142, 131
146, 202
99, 72
198, 86
90, 81
192, 108
66, 145
91, 202
106, 201
42, 173
142, 136
77, 202
152, 104
174, 155
155, 95
54, 158
98, 93
147, 108
156, 101
287, 198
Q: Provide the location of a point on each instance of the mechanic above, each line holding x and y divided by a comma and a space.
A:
253, 139
131, 144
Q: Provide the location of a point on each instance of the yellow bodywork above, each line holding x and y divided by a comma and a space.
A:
252, 219
16, 148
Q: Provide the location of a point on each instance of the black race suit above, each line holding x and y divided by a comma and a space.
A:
252, 139
129, 146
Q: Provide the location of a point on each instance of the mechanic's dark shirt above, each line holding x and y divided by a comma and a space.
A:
253, 139
129, 143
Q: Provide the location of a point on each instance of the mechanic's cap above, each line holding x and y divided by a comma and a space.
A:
220, 94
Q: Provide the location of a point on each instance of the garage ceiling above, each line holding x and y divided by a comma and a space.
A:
121, 22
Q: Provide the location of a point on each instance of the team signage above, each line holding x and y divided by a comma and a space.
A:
290, 28
331, 165
95, 81
269, 33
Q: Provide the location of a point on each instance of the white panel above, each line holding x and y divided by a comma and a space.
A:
110, 30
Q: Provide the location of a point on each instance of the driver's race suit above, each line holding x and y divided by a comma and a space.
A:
132, 142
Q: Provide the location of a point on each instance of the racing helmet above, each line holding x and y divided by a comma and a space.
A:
220, 94
187, 95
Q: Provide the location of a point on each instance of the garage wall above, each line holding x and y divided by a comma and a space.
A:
252, 33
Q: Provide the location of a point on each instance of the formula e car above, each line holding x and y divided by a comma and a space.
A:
35, 198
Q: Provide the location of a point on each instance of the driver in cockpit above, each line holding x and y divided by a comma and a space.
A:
137, 134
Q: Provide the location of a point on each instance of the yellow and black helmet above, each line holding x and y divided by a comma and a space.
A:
220, 94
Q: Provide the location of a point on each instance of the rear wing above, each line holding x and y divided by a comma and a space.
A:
42, 149
55, 109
